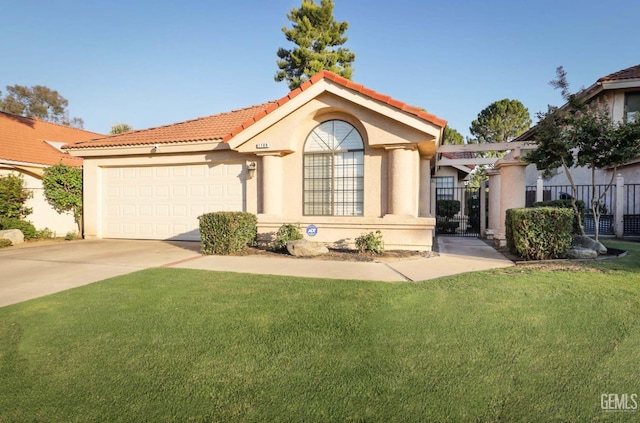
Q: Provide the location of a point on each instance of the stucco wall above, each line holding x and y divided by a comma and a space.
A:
44, 216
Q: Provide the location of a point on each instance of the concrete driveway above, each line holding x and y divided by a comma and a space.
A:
28, 272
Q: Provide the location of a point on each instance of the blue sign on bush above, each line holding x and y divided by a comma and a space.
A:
312, 230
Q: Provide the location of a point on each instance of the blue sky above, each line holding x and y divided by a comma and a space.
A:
151, 63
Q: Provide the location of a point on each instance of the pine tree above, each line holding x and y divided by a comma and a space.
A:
318, 38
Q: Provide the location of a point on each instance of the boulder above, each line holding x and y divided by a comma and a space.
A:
13, 235
304, 248
581, 253
586, 242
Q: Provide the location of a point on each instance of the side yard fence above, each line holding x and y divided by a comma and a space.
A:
619, 208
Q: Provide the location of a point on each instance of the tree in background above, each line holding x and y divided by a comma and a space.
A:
451, 136
501, 121
13, 197
39, 102
318, 37
63, 189
584, 135
120, 128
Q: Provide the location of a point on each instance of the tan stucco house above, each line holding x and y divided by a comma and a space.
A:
332, 154
620, 92
27, 147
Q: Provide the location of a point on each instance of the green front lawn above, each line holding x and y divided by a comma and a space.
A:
517, 344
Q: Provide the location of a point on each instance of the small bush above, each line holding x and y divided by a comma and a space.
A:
565, 204
447, 208
286, 233
445, 227
13, 196
45, 233
370, 242
227, 232
71, 236
539, 233
5, 243
27, 228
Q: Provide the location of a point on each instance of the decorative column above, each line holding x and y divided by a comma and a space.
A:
494, 203
424, 208
400, 177
619, 211
512, 191
272, 184
539, 189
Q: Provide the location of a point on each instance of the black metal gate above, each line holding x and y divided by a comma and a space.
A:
458, 212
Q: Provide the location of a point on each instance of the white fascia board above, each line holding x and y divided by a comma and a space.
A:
461, 162
494, 146
173, 148
277, 114
617, 85
17, 163
384, 109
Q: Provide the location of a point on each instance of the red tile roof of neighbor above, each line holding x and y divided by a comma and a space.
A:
629, 73
225, 126
23, 140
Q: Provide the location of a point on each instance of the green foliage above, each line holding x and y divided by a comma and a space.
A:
227, 232
501, 121
63, 189
27, 228
45, 233
39, 102
566, 204
120, 128
371, 242
5, 243
286, 233
318, 37
71, 236
451, 136
13, 196
540, 233
583, 134
447, 208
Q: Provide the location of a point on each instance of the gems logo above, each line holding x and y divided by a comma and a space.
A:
619, 402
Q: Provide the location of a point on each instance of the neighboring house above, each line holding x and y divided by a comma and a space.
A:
332, 154
454, 176
27, 147
620, 91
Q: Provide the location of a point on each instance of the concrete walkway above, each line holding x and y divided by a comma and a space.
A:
457, 255
34, 270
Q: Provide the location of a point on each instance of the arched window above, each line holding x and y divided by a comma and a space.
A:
333, 170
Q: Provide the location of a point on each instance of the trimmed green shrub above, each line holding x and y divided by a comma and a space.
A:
227, 232
287, 232
27, 228
45, 233
13, 196
447, 208
370, 242
565, 204
540, 233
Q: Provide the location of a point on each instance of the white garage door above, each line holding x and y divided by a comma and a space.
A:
164, 202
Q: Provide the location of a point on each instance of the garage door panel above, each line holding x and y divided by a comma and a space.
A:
164, 202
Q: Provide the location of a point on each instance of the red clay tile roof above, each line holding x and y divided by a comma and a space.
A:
201, 129
629, 73
23, 140
225, 126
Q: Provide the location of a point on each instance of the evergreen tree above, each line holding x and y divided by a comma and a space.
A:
39, 102
318, 38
